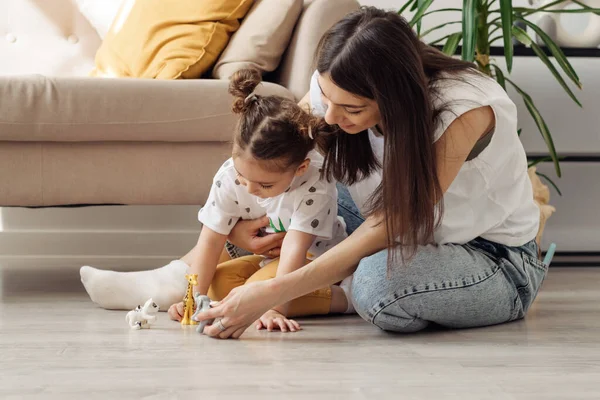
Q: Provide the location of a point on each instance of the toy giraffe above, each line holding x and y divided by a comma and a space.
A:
189, 305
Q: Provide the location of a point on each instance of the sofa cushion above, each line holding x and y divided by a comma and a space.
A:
262, 39
168, 39
38, 108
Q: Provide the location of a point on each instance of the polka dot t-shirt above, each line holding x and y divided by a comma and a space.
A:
309, 205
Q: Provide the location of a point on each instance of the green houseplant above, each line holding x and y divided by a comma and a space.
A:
481, 23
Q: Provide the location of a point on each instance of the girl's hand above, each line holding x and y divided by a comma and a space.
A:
245, 235
176, 311
273, 319
243, 306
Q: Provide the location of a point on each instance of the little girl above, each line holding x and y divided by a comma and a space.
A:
274, 171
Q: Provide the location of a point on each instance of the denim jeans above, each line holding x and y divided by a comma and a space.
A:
453, 285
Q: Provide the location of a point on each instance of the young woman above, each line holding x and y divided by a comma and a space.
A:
437, 194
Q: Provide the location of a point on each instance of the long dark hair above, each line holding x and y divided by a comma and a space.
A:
273, 128
376, 55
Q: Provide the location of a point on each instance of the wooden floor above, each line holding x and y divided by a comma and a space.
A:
55, 344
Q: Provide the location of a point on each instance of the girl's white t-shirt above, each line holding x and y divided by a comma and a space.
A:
309, 205
491, 197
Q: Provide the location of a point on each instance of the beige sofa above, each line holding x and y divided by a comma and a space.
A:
67, 139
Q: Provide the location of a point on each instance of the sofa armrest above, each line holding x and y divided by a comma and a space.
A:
297, 65
35, 108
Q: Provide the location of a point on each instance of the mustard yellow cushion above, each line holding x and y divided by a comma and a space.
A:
168, 39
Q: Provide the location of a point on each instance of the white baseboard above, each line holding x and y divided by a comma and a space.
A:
122, 237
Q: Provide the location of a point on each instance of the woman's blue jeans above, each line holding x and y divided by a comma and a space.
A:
457, 286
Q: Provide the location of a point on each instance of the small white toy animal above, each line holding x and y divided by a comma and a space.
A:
142, 317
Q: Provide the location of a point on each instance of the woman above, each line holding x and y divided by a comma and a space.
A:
438, 201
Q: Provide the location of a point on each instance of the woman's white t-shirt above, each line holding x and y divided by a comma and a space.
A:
491, 197
309, 205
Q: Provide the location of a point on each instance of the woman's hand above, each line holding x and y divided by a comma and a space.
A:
243, 306
274, 319
245, 235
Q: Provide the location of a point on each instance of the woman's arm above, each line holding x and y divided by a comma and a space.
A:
336, 264
210, 244
247, 303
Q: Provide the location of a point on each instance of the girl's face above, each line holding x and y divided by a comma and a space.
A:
262, 182
351, 113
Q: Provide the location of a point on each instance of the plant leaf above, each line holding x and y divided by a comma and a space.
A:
452, 43
442, 39
420, 20
441, 10
538, 160
469, 29
405, 6
417, 18
588, 8
494, 39
440, 26
506, 12
519, 131
546, 8
529, 11
542, 56
556, 52
550, 181
541, 124
500, 76
521, 35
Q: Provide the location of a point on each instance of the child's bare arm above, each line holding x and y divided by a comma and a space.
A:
293, 251
293, 255
209, 247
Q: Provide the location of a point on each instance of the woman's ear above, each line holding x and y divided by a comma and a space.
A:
303, 167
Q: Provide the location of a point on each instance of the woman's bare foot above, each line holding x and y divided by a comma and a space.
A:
339, 303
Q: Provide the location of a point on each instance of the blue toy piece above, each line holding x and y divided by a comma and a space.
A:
202, 304
550, 254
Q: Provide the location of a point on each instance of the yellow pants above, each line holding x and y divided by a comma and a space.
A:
242, 270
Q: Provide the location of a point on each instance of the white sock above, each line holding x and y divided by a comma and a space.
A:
126, 290
346, 286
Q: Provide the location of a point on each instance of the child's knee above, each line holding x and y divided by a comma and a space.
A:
220, 285
230, 275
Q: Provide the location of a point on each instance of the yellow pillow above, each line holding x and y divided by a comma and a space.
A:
168, 39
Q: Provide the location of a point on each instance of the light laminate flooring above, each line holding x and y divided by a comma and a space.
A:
56, 344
